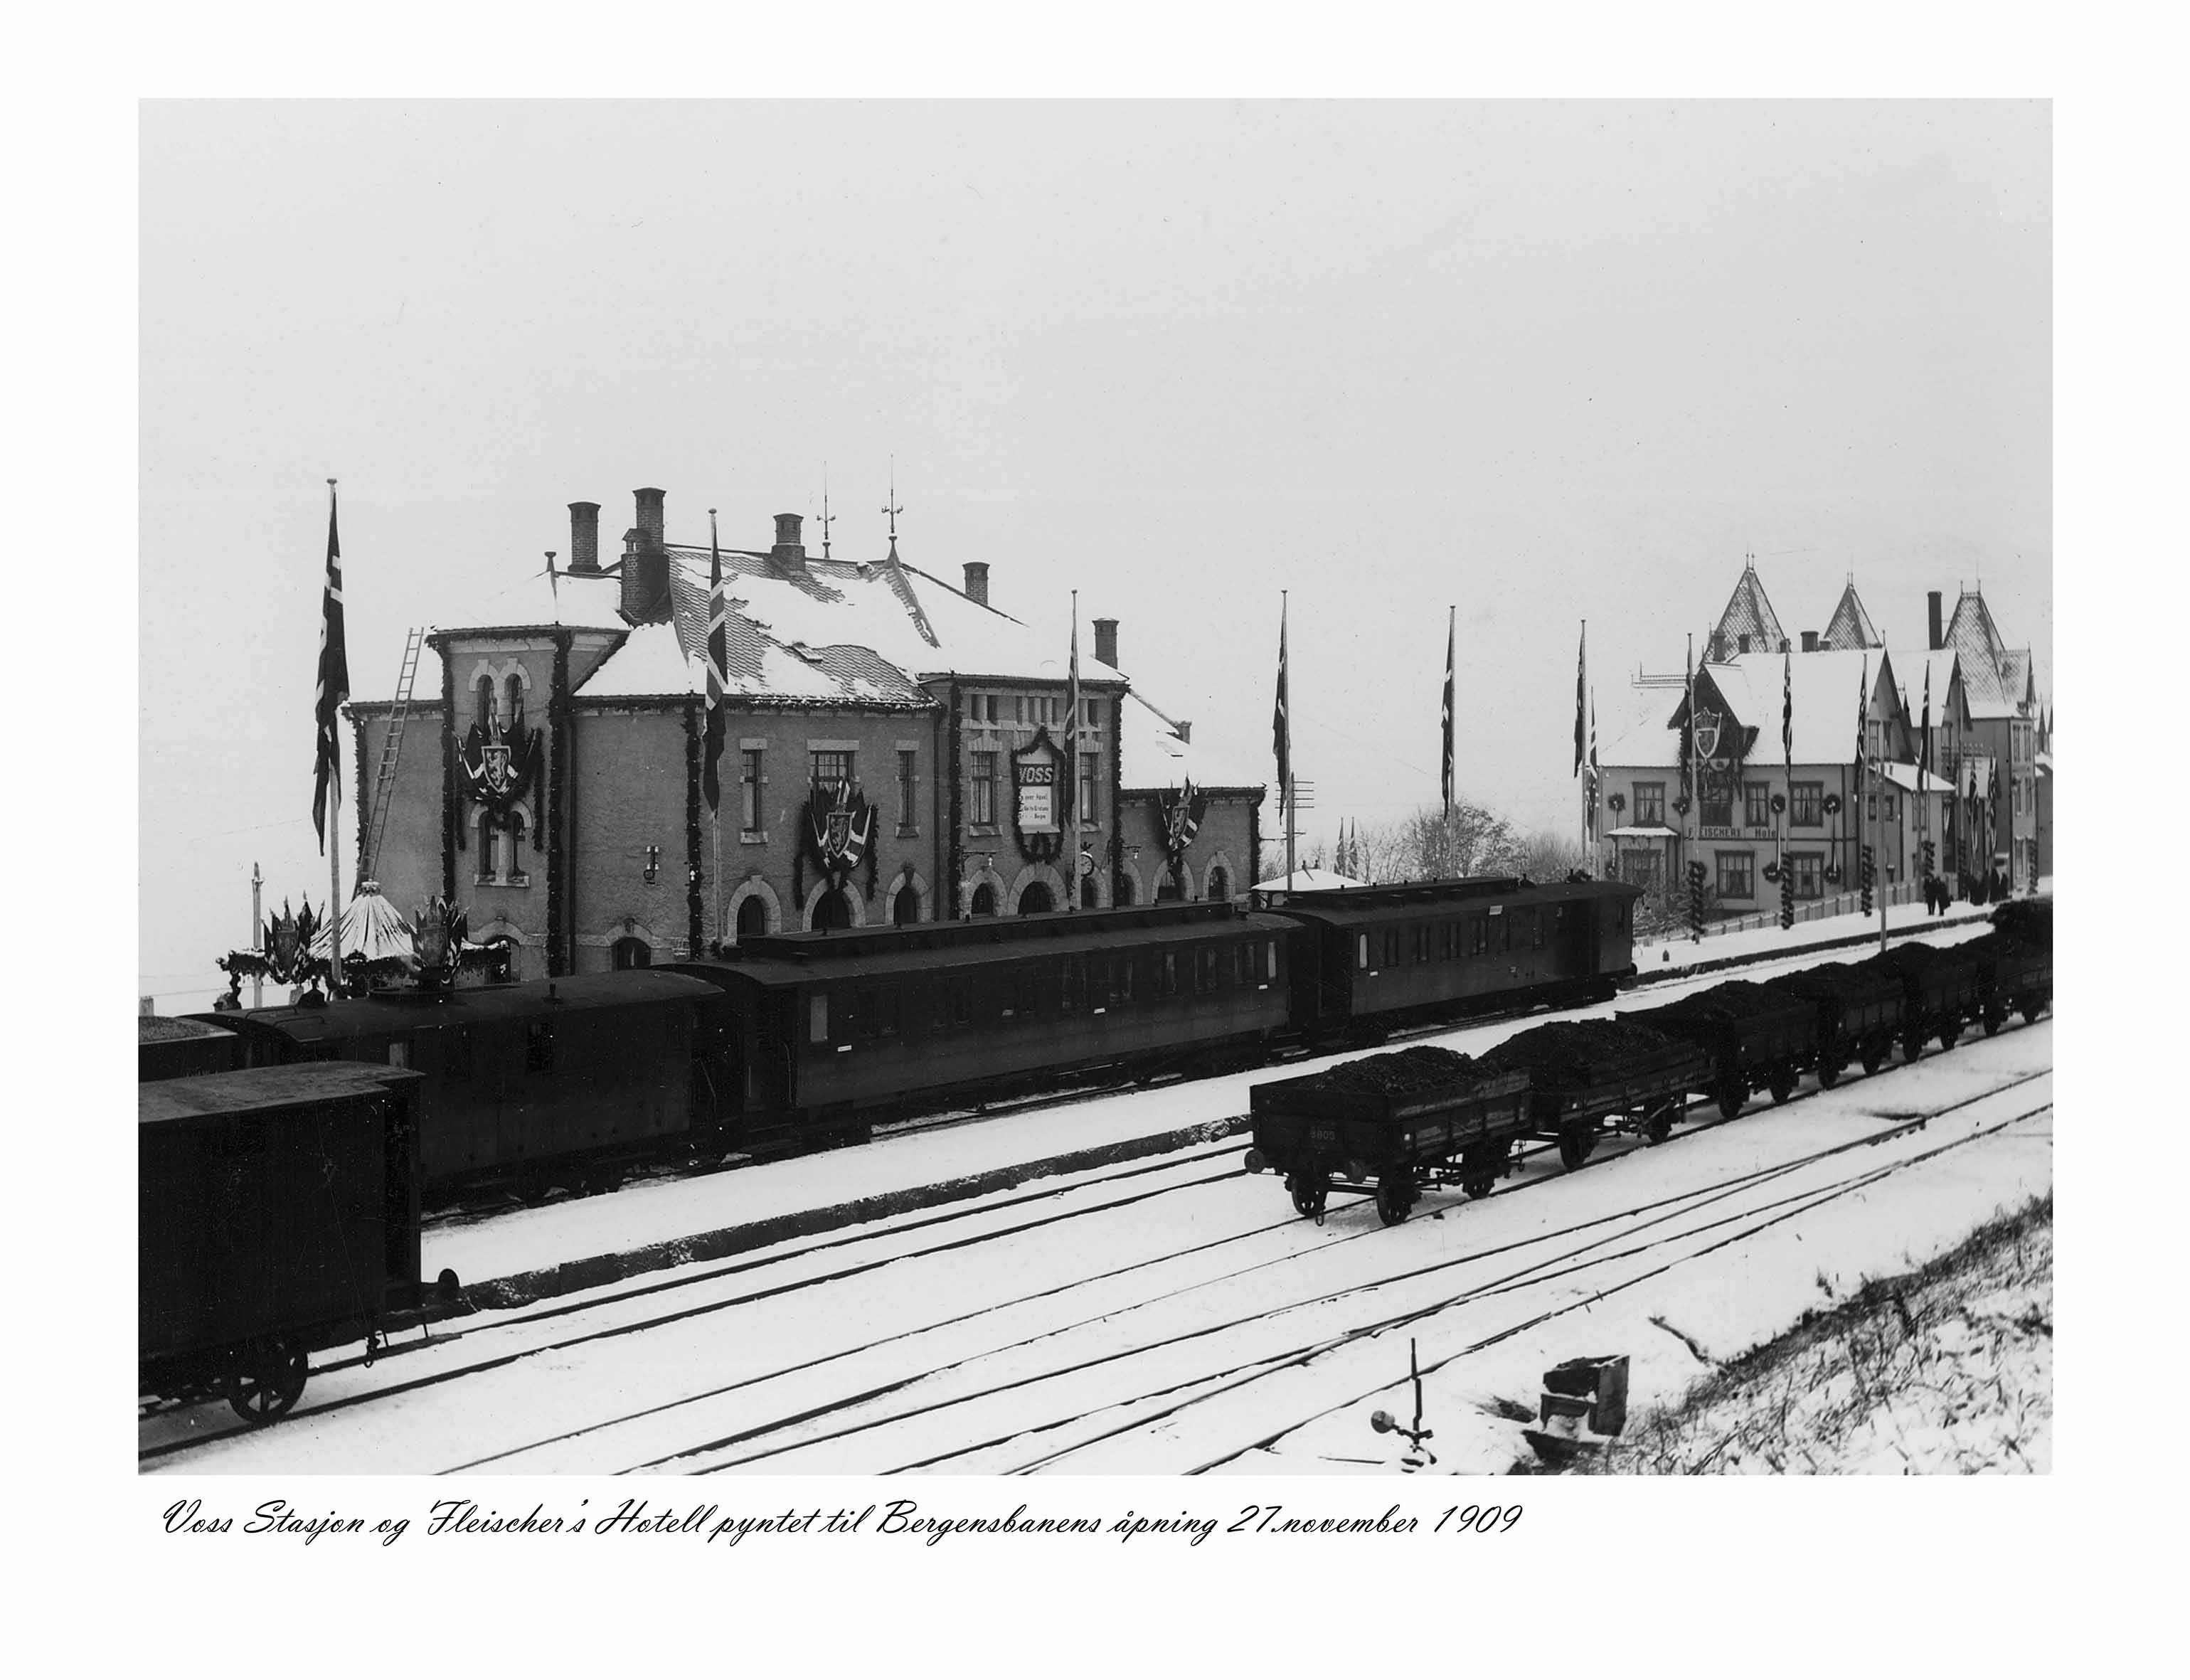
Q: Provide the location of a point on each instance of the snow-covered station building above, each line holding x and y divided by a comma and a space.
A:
1974, 801
893, 753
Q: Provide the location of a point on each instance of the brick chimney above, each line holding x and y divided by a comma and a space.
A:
1106, 641
1809, 641
585, 537
790, 549
1931, 600
1185, 730
645, 596
977, 580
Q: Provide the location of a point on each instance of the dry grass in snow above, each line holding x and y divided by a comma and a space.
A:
1946, 1370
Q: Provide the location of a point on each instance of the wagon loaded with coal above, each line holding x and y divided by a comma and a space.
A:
1587, 1079
1758, 1038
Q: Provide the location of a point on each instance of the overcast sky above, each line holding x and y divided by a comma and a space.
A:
1545, 361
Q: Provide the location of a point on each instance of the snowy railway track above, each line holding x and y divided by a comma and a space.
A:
1203, 1384
697, 1279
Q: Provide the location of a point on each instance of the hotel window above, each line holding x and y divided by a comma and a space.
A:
985, 790
1806, 808
1090, 773
1717, 809
749, 790
1649, 802
832, 767
1809, 874
1736, 877
1756, 798
1893, 806
908, 783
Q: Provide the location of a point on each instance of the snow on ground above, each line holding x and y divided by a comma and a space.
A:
645, 1214
1034, 1340
1948, 1369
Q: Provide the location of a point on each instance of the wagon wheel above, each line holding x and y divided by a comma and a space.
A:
1575, 1143
1658, 1124
1310, 1191
2033, 1008
1995, 1019
1732, 1094
1395, 1196
1874, 1052
1828, 1072
264, 1378
1949, 1034
1912, 1044
1783, 1084
1479, 1182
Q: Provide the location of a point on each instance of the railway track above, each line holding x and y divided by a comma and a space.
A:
638, 1309
1677, 1211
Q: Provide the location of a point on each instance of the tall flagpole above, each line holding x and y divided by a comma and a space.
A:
1285, 727
334, 805
1587, 796
1072, 762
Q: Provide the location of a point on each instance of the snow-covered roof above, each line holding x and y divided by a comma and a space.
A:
1904, 776
1851, 625
1910, 667
1151, 754
1826, 687
1996, 680
1307, 880
1647, 831
1748, 613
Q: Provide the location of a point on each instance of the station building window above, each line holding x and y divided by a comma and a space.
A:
1736, 874
1809, 869
1649, 802
1806, 804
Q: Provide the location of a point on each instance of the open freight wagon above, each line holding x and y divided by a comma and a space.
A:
1758, 1037
1587, 1079
1407, 1121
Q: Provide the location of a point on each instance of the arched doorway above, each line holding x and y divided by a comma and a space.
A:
1087, 899
1219, 886
1037, 899
752, 919
832, 911
631, 953
907, 909
1167, 891
985, 899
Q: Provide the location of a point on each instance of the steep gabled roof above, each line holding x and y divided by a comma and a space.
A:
1996, 680
1851, 625
1748, 613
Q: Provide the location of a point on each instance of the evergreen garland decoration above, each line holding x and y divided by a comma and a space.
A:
559, 756
357, 752
450, 832
957, 855
692, 905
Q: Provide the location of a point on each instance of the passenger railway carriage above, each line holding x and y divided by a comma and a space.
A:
1376, 956
831, 1031
799, 1039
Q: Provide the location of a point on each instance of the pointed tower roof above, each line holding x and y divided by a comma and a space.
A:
1996, 680
1851, 627
1748, 614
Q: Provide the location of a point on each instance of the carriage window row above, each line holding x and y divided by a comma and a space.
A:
1079, 985
1468, 936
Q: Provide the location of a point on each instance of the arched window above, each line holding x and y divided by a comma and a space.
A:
487, 840
1167, 890
985, 899
486, 699
752, 918
632, 953
1037, 900
1219, 886
906, 910
516, 699
832, 911
515, 870
1125, 889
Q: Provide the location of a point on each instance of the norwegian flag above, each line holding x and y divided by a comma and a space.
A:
718, 660
333, 685
1281, 725
1450, 623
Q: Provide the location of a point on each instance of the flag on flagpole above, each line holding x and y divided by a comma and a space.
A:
1688, 744
718, 663
1451, 619
1926, 764
1787, 712
1592, 767
1281, 725
1071, 792
333, 686
1581, 696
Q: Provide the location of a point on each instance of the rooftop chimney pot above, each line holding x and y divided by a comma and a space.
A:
649, 518
1809, 641
1931, 600
585, 537
977, 580
1106, 641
